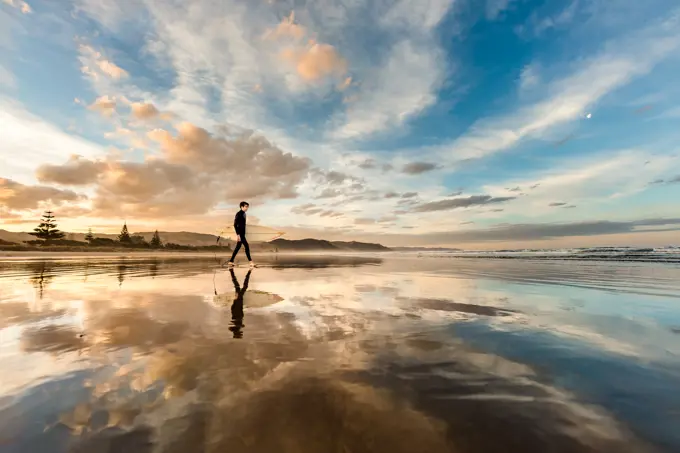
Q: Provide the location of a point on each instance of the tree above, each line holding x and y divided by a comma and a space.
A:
124, 236
47, 229
89, 237
156, 241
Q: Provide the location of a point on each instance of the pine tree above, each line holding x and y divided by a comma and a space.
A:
89, 237
124, 236
47, 229
156, 241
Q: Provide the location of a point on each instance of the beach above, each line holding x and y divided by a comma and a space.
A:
381, 352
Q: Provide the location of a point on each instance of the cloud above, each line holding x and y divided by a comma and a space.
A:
287, 28
529, 77
557, 204
310, 209
105, 105
458, 203
16, 196
345, 84
7, 79
194, 172
417, 168
24, 7
399, 90
30, 140
364, 221
94, 64
615, 66
143, 111
77, 171
330, 193
336, 177
565, 17
494, 8
525, 232
316, 61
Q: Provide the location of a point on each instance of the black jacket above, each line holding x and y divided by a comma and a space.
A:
240, 223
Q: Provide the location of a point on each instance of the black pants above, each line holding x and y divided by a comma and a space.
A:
238, 247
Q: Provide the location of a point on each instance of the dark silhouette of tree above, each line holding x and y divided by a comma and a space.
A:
89, 237
156, 241
47, 229
138, 241
124, 236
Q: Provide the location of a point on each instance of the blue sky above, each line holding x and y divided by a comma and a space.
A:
497, 118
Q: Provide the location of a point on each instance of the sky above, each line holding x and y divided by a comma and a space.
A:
462, 123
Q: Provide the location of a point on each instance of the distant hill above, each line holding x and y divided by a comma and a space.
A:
361, 246
187, 238
320, 244
425, 249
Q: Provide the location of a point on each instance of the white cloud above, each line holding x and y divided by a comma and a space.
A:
6, 78
407, 81
572, 96
28, 139
402, 88
22, 6
494, 8
529, 77
565, 17
96, 65
585, 182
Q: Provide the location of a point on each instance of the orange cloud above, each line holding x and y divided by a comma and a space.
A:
195, 171
345, 84
76, 171
105, 105
287, 28
316, 61
143, 111
17, 196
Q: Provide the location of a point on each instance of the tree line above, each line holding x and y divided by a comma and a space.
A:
47, 233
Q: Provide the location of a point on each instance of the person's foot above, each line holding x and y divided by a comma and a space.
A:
252, 264
230, 264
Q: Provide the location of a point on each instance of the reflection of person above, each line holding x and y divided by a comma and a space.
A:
237, 306
240, 229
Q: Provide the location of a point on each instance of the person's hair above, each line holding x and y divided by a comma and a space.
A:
243, 203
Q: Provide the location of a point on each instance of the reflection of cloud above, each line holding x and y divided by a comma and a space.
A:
19, 313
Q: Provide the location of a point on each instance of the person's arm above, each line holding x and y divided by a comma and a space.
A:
237, 224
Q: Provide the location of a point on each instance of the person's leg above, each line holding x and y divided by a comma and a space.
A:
247, 248
236, 249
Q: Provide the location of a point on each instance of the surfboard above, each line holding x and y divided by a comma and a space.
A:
254, 233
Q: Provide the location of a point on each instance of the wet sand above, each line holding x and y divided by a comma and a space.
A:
365, 353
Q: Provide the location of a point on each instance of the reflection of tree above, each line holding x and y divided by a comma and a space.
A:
153, 269
41, 275
121, 273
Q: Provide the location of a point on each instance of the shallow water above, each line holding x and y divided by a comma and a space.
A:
338, 354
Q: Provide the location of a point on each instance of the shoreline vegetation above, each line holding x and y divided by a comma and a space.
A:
46, 237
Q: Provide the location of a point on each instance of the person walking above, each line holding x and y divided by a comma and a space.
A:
240, 229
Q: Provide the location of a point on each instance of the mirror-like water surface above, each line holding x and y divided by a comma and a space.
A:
338, 354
